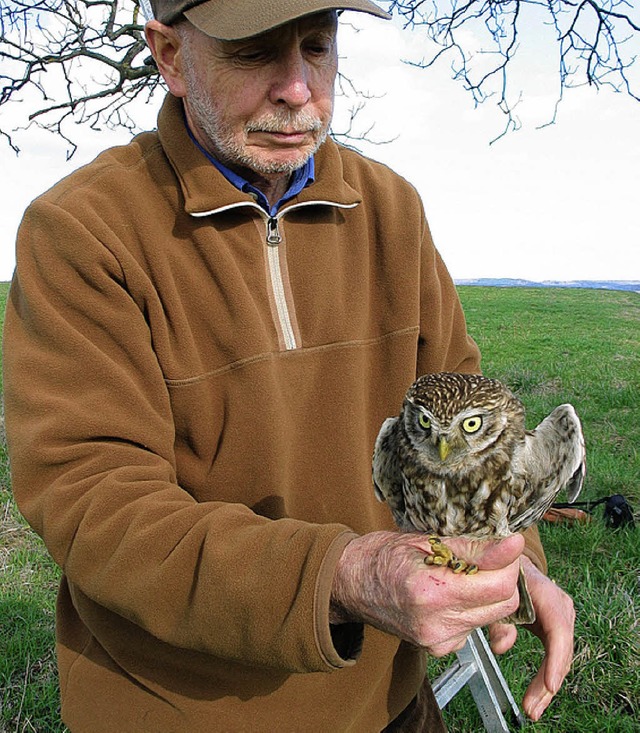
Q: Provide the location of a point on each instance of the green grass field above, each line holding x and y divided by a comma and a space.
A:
551, 346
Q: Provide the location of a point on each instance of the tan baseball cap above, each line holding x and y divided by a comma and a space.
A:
233, 19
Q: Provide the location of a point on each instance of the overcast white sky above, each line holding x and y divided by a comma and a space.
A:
559, 203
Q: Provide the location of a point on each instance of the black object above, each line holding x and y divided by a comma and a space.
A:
617, 510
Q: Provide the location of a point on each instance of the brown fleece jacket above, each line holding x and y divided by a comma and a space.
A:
191, 410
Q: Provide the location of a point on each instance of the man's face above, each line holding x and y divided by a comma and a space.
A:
263, 103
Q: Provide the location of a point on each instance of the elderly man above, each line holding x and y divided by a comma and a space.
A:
205, 331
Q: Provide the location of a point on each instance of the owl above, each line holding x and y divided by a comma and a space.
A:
458, 461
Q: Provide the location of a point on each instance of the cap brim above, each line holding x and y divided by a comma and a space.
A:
231, 20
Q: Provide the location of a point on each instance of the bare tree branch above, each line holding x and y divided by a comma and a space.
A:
597, 42
73, 61
352, 134
70, 62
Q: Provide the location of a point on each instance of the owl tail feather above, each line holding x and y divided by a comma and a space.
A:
525, 613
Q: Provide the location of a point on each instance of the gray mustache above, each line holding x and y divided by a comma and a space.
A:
299, 122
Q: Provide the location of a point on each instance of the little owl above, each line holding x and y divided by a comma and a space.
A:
458, 461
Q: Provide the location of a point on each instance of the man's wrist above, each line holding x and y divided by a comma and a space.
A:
338, 614
353, 577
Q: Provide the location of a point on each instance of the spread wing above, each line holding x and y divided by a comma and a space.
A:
553, 457
387, 470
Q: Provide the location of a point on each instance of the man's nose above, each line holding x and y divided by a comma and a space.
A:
291, 85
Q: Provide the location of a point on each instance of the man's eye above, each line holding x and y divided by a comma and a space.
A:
253, 56
319, 48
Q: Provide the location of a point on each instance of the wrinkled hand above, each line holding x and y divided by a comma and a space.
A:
555, 617
382, 579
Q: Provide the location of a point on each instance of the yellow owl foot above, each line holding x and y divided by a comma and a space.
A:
443, 555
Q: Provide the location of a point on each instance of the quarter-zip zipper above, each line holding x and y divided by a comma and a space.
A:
273, 240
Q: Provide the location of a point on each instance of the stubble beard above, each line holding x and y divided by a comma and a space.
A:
224, 143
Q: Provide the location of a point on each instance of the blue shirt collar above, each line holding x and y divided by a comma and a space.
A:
300, 178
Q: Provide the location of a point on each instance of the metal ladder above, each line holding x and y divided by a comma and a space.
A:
478, 668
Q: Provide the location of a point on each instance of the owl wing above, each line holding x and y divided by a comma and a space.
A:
553, 457
387, 471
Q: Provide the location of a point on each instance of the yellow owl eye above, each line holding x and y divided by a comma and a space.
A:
472, 424
424, 421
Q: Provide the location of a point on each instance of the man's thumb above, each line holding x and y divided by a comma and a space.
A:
496, 555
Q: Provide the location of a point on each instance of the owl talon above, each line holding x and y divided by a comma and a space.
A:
436, 560
443, 556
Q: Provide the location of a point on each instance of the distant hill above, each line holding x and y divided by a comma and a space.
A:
632, 285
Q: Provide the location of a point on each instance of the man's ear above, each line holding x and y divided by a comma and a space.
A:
165, 44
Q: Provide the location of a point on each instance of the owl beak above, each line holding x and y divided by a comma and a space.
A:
444, 449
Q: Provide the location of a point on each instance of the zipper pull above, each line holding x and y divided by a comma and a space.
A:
273, 232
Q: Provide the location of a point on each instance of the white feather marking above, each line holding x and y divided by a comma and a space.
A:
482, 494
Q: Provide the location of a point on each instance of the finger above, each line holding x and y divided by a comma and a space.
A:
441, 649
502, 637
550, 676
558, 659
496, 555
538, 695
486, 605
473, 600
555, 628
493, 613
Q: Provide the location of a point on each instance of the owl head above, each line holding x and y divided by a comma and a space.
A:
450, 419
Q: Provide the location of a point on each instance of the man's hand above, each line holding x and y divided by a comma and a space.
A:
555, 617
382, 580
